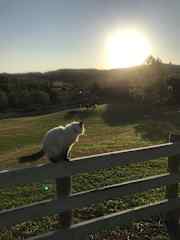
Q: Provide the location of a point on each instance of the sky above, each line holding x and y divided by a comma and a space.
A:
44, 35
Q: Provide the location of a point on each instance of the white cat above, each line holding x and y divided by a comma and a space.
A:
57, 142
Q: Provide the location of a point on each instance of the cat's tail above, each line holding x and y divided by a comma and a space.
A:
30, 158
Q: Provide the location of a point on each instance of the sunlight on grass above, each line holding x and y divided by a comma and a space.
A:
20, 136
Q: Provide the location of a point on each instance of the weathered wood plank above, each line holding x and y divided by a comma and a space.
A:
78, 200
86, 164
112, 220
63, 190
172, 218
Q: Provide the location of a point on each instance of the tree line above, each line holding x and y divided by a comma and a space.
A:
154, 83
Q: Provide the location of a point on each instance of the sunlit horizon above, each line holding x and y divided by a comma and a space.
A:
41, 36
58, 68
127, 48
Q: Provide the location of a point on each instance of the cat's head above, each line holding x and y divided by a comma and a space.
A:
78, 127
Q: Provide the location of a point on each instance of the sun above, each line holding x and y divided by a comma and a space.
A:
127, 48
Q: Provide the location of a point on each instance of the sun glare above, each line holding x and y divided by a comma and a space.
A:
127, 48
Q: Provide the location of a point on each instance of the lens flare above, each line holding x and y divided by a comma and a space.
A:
45, 188
127, 48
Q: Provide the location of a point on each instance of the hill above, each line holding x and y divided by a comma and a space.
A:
88, 74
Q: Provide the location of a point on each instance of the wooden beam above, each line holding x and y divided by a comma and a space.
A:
82, 199
172, 218
86, 164
111, 220
63, 190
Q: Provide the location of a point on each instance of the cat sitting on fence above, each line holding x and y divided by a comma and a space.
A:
57, 143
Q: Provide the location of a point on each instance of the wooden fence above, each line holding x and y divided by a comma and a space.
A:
65, 202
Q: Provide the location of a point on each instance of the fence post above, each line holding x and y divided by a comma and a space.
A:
63, 189
172, 218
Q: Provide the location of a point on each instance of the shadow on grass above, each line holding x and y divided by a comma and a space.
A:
150, 123
155, 130
115, 114
159, 127
79, 114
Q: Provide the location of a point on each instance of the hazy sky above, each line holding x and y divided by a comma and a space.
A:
41, 35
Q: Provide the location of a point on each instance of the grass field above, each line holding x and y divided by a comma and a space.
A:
106, 130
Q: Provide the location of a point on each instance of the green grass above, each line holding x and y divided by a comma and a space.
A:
22, 135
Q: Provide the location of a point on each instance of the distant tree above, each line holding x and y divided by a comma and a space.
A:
137, 93
3, 100
40, 98
53, 96
4, 83
174, 89
13, 99
24, 99
151, 60
19, 98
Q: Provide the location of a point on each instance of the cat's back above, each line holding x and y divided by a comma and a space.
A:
54, 133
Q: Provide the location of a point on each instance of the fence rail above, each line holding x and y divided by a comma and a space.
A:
78, 200
108, 221
87, 164
66, 202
